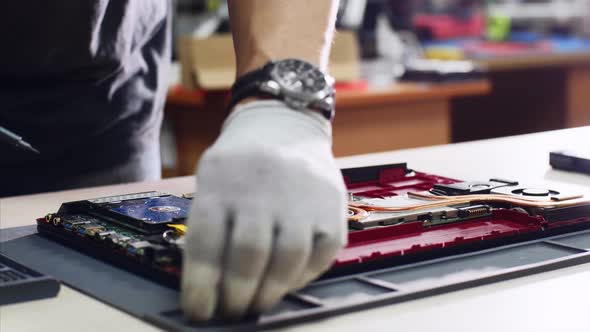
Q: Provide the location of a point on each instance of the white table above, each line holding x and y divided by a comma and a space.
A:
552, 301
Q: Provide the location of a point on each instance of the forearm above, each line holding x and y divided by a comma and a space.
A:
266, 30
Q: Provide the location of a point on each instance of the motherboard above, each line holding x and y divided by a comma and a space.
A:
395, 215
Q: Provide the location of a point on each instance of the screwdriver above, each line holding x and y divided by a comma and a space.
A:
10, 138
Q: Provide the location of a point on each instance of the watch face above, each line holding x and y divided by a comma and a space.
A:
300, 78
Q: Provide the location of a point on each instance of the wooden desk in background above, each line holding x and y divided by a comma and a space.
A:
530, 94
399, 116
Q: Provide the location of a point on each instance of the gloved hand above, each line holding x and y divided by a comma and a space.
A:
269, 215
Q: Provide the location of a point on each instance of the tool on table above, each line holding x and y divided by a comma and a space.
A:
10, 138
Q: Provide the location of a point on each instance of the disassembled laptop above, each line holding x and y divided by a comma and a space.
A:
394, 212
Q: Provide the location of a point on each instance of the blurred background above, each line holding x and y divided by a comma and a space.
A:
409, 73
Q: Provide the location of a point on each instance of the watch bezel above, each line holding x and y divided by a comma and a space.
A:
298, 99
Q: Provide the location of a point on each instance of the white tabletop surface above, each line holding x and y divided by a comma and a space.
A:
552, 301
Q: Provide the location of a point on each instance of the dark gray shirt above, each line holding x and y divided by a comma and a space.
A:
84, 81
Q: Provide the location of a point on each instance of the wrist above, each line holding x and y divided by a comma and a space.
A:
250, 62
246, 64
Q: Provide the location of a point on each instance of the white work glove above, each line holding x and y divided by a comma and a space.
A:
269, 215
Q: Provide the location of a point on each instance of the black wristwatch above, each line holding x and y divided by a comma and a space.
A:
299, 84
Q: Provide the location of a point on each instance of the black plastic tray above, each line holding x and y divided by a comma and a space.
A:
19, 283
159, 304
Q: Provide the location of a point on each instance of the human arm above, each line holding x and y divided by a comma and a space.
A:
269, 214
